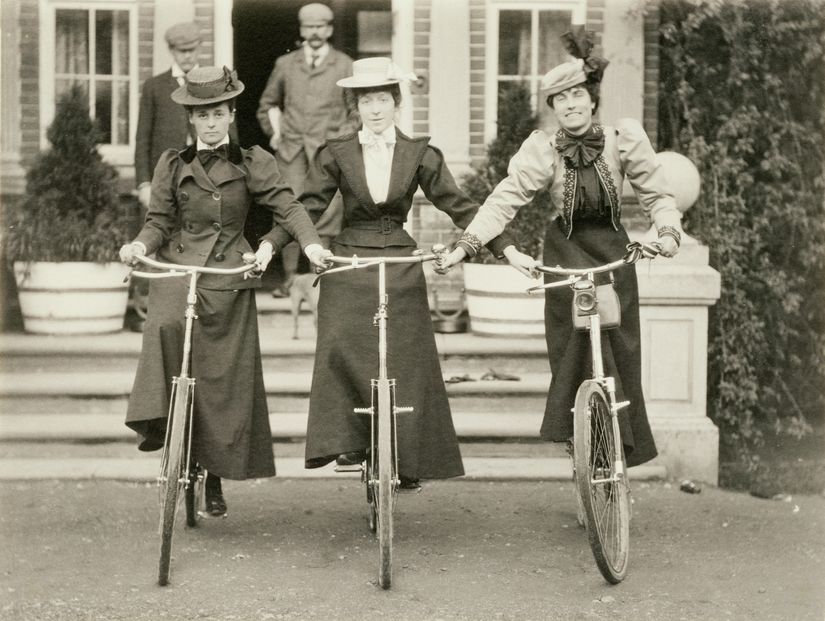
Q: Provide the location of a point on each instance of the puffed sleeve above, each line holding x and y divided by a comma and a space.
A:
530, 169
319, 188
269, 190
441, 190
271, 97
646, 175
162, 215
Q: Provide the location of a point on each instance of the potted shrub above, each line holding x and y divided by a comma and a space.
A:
64, 236
497, 301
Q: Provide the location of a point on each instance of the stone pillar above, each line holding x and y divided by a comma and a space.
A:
622, 92
450, 81
224, 33
674, 297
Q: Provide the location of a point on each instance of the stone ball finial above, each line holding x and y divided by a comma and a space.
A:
683, 177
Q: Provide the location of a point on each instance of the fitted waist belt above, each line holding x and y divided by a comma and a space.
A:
385, 225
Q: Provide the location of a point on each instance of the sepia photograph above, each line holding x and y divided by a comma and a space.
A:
412, 310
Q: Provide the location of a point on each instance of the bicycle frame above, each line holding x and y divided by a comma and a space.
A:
383, 394
175, 461
590, 395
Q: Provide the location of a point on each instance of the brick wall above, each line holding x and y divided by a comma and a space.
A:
421, 65
204, 18
651, 100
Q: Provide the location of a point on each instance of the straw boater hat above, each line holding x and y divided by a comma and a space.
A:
377, 71
208, 85
583, 69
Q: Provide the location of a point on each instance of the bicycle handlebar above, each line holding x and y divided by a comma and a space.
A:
173, 270
355, 262
634, 252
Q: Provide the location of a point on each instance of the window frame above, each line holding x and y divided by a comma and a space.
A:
491, 78
120, 154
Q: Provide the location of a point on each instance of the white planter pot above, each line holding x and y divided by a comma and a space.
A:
498, 302
72, 297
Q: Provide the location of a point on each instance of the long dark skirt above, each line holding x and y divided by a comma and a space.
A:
231, 435
346, 359
594, 244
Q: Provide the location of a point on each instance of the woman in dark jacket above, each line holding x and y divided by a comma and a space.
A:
584, 165
200, 199
378, 170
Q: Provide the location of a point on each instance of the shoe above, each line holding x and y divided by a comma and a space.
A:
352, 458
215, 504
408, 484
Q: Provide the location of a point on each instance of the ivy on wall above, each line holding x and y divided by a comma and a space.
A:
741, 94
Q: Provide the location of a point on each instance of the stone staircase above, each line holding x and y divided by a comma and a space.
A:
63, 401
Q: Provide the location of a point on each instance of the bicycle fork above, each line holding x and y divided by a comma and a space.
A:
608, 384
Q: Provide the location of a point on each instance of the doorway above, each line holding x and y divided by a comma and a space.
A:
267, 29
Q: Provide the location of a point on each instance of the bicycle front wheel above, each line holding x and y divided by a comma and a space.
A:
384, 489
172, 475
601, 478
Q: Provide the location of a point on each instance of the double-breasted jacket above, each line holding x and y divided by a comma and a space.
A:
195, 218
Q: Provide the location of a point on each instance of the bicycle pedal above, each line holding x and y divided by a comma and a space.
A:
403, 409
353, 468
620, 405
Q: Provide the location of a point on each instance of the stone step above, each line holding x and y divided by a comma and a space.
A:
109, 427
109, 384
121, 461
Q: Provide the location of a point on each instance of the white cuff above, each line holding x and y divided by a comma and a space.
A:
141, 244
312, 249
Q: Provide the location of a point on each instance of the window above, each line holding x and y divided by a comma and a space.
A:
523, 45
93, 44
374, 33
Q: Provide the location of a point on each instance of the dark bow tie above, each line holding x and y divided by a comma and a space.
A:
581, 151
207, 156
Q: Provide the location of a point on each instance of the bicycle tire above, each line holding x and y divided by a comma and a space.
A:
385, 485
604, 497
171, 479
369, 481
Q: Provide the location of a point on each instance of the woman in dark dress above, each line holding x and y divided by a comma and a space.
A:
200, 199
584, 164
378, 170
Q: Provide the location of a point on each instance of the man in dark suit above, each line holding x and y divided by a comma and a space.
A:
301, 107
162, 124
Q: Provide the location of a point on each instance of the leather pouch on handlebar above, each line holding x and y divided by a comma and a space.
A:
608, 307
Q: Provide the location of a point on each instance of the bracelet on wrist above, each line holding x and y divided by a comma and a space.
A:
672, 232
471, 243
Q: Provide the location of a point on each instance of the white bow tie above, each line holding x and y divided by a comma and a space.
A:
369, 137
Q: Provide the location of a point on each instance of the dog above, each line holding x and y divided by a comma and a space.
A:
300, 289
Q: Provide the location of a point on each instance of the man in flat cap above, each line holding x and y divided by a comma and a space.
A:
301, 107
162, 124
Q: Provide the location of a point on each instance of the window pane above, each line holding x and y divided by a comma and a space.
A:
513, 42
71, 41
122, 110
374, 33
62, 86
103, 42
120, 43
552, 24
103, 109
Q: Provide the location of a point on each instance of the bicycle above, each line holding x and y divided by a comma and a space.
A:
599, 468
379, 473
178, 468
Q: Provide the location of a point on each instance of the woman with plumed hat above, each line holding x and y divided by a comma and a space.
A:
584, 164
200, 199
378, 170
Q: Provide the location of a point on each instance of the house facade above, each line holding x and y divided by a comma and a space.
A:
464, 51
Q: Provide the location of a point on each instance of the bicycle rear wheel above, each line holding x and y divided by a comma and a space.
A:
172, 474
384, 490
602, 481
